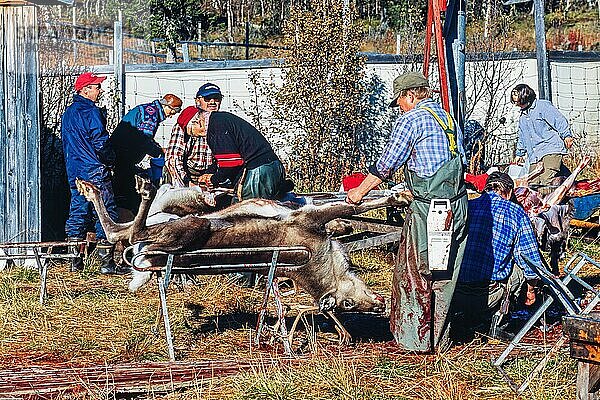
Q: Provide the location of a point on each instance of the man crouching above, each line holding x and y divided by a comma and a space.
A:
500, 240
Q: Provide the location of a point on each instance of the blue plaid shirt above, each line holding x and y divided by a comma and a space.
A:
419, 141
500, 234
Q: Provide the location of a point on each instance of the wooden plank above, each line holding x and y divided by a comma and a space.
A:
31, 187
584, 224
3, 126
585, 351
588, 377
372, 242
371, 225
12, 122
585, 329
19, 126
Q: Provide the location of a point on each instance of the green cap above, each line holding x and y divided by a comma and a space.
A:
410, 80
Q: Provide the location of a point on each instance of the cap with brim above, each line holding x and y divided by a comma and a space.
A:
209, 89
407, 81
86, 79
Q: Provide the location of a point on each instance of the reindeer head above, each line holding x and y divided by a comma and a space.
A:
145, 188
182, 201
401, 198
352, 294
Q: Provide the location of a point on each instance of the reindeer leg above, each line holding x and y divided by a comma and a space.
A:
114, 231
146, 190
557, 195
328, 212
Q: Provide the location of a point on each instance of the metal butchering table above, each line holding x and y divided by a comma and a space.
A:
263, 260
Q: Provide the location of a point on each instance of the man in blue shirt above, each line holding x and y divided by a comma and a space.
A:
132, 140
428, 142
544, 135
500, 239
89, 155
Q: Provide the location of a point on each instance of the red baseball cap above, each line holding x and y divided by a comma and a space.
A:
186, 116
88, 78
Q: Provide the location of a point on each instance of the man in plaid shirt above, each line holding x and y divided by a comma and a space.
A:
188, 156
500, 239
428, 142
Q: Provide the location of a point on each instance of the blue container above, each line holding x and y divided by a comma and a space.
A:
586, 206
156, 168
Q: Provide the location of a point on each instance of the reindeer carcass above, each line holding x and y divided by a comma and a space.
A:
256, 223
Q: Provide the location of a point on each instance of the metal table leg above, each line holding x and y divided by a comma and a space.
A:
163, 284
43, 270
268, 286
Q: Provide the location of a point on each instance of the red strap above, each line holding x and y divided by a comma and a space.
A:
229, 160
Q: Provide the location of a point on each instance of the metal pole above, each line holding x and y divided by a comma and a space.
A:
119, 67
459, 57
74, 35
543, 65
247, 40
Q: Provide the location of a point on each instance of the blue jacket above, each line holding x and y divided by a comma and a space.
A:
146, 117
86, 144
133, 138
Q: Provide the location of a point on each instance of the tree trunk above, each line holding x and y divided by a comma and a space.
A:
488, 17
229, 21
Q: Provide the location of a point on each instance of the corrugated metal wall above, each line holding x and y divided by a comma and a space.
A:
19, 125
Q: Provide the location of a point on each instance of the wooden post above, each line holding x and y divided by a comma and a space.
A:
199, 38
588, 376
74, 35
543, 65
185, 50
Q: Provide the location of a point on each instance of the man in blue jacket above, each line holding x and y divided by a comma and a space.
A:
132, 140
88, 155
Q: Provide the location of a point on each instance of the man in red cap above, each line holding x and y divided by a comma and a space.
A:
88, 155
187, 156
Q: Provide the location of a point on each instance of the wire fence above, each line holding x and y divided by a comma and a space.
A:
85, 45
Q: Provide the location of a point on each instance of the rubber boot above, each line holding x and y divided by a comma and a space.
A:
107, 262
75, 250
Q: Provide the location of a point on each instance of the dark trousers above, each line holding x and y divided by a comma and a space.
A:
124, 189
82, 214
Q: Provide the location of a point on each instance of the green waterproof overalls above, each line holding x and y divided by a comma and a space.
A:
420, 297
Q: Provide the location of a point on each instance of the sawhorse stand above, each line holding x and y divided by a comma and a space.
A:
34, 251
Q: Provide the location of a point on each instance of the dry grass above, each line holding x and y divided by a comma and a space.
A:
90, 319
